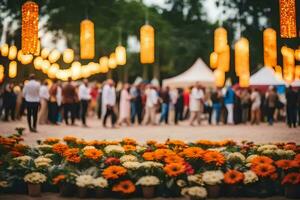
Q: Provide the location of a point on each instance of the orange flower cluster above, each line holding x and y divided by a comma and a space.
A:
114, 172
193, 153
129, 141
125, 187
216, 143
261, 160
174, 169
176, 143
173, 158
71, 155
70, 139
56, 180
59, 148
286, 164
93, 154
233, 177
291, 179
129, 147
264, 170
51, 141
160, 154
214, 157
149, 156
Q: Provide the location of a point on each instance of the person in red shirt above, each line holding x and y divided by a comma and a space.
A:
186, 102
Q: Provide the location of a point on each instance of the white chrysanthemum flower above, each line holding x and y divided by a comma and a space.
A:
196, 178
49, 155
140, 148
213, 177
35, 178
100, 182
131, 165
271, 147
151, 164
148, 181
23, 160
198, 192
84, 181
250, 177
250, 158
44, 146
268, 152
88, 147
236, 157
128, 158
114, 149
184, 191
42, 161
181, 183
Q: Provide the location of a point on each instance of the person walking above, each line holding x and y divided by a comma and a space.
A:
291, 107
69, 98
165, 98
216, 98
229, 104
255, 107
271, 100
19, 99
31, 93
52, 104
84, 95
245, 103
124, 110
196, 98
179, 106
9, 102
151, 103
44, 97
109, 102
186, 103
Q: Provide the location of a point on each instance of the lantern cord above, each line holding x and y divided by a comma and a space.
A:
120, 36
146, 16
86, 12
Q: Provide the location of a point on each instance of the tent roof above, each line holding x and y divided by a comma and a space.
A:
198, 72
296, 83
265, 76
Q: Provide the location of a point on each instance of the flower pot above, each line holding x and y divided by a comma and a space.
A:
213, 191
34, 190
292, 191
232, 190
148, 191
195, 198
82, 192
99, 193
66, 190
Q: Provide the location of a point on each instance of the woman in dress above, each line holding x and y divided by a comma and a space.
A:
124, 111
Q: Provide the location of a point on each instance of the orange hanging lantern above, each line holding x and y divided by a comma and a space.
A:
30, 19
121, 55
76, 70
244, 80
12, 69
297, 72
4, 50
68, 55
242, 56
38, 62
270, 47
112, 63
147, 55
87, 39
278, 72
224, 59
12, 52
287, 18
103, 61
213, 60
297, 54
1, 73
219, 77
220, 39
288, 64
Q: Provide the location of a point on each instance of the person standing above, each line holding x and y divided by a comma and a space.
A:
151, 103
69, 99
165, 98
9, 102
186, 103
179, 106
44, 97
229, 102
271, 100
245, 103
133, 111
196, 98
52, 104
124, 111
216, 98
255, 107
19, 99
84, 95
31, 93
291, 107
109, 102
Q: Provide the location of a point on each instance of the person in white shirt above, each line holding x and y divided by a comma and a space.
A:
84, 97
109, 102
31, 94
44, 98
151, 103
196, 99
255, 107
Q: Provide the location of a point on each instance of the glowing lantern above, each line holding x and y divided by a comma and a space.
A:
244, 80
270, 47
68, 55
242, 56
53, 70
54, 56
93, 67
213, 60
219, 77
63, 74
45, 53
12, 52
45, 66
87, 40
85, 72
112, 63
121, 55
4, 50
220, 39
287, 18
103, 64
12, 69
297, 54
297, 72
147, 44
288, 64
1, 73
30, 19
76, 70
38, 51
24, 59
278, 72
224, 59
38, 62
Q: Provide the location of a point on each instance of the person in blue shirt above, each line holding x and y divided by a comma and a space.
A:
229, 102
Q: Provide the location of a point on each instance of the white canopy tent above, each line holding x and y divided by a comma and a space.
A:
198, 72
296, 83
265, 76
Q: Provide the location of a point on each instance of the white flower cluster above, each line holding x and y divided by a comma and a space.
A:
151, 164
84, 181
181, 183
236, 157
265, 147
44, 146
23, 159
100, 182
250, 177
35, 178
196, 178
128, 158
195, 191
88, 147
131, 165
140, 148
213, 177
148, 181
114, 149
42, 161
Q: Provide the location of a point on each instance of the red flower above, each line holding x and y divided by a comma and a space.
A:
291, 178
112, 161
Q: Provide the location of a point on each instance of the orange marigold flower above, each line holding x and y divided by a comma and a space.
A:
93, 154
285, 164
261, 160
125, 187
69, 139
174, 169
59, 148
173, 159
161, 146
20, 147
214, 157
72, 155
129, 141
193, 152
162, 153
263, 170
149, 156
291, 179
113, 172
151, 142
16, 153
297, 157
176, 143
233, 177
290, 146
51, 141
56, 180
129, 148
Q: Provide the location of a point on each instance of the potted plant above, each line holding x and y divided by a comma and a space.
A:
194, 193
291, 184
213, 180
99, 185
124, 188
83, 182
34, 181
233, 179
148, 184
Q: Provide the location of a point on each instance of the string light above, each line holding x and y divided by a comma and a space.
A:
120, 55
12, 69
54, 56
112, 63
45, 53
68, 55
4, 50
287, 18
12, 52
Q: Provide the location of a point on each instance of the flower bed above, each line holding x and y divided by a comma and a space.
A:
124, 169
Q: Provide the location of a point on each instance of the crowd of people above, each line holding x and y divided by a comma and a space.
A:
144, 104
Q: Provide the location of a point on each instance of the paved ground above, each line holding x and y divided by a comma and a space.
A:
260, 134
